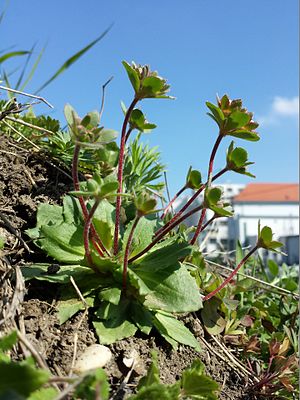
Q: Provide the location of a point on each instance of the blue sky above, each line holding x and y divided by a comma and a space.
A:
248, 50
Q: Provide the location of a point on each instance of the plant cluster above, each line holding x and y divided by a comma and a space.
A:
139, 267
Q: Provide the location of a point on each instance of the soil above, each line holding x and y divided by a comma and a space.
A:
27, 179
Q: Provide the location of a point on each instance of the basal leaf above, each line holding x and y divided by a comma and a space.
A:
176, 330
114, 329
68, 308
63, 242
142, 235
152, 375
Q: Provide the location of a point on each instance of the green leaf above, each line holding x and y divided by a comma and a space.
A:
142, 236
47, 214
239, 156
44, 394
213, 195
266, 235
111, 295
237, 119
152, 85
68, 308
116, 324
72, 60
7, 342
63, 242
152, 375
217, 113
142, 318
196, 384
273, 267
157, 391
176, 330
133, 76
94, 385
23, 378
246, 135
107, 136
213, 321
193, 179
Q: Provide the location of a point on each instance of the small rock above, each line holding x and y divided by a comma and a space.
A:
94, 356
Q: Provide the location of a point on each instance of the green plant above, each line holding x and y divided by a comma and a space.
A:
194, 384
129, 264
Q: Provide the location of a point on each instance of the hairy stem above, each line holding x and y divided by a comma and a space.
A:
172, 201
86, 233
208, 183
127, 251
189, 202
120, 173
233, 273
97, 242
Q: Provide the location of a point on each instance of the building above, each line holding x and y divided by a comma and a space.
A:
274, 204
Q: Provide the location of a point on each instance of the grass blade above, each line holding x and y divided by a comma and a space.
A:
13, 54
32, 71
73, 59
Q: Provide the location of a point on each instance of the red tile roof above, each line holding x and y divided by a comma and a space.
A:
269, 192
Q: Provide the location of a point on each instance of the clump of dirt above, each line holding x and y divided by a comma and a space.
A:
27, 179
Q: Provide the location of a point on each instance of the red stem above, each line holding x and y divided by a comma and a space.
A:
167, 230
233, 273
208, 183
172, 201
86, 233
120, 173
189, 202
128, 134
199, 227
127, 250
97, 242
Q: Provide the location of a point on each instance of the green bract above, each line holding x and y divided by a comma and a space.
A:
233, 119
138, 120
146, 83
86, 131
193, 179
265, 239
237, 160
213, 201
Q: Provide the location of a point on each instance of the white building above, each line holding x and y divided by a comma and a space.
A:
274, 204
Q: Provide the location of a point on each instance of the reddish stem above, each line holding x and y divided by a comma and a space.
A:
199, 227
86, 233
208, 183
167, 230
128, 134
189, 202
127, 250
97, 242
172, 201
120, 173
233, 273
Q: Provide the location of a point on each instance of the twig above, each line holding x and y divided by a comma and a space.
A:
103, 97
27, 95
21, 122
234, 359
12, 230
69, 389
282, 290
208, 234
78, 325
21, 134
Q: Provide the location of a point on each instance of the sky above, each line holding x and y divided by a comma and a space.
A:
245, 49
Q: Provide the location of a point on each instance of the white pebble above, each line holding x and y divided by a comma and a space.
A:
94, 356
